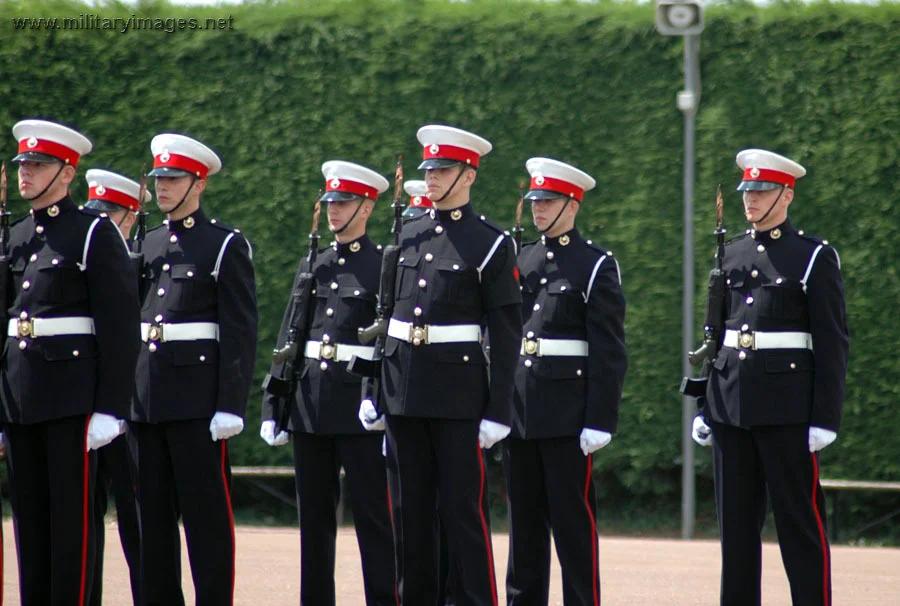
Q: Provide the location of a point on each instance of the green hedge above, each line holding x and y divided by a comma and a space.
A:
293, 85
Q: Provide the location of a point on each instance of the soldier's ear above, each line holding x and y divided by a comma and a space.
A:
68, 174
469, 177
200, 185
788, 196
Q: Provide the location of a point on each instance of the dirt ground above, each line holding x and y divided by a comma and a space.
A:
633, 572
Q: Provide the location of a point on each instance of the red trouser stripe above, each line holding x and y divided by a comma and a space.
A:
484, 528
230, 514
595, 582
84, 512
387, 489
821, 528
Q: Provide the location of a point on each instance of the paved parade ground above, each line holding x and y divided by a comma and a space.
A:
634, 572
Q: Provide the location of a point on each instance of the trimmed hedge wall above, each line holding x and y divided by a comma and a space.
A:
293, 85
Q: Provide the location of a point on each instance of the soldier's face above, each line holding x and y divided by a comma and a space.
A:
341, 212
545, 212
34, 177
758, 203
440, 180
171, 190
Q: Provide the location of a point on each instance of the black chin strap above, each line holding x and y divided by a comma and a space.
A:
452, 185
49, 185
771, 207
558, 215
184, 197
347, 224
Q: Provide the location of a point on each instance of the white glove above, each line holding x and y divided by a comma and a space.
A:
369, 417
225, 425
820, 437
103, 429
491, 432
701, 433
267, 433
592, 440
383, 445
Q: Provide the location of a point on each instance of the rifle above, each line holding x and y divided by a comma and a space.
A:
290, 355
137, 245
518, 229
4, 251
370, 370
714, 325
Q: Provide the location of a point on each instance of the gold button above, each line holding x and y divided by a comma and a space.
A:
173, 238
417, 311
323, 365
465, 358
543, 280
334, 286
439, 229
329, 312
422, 283
189, 222
562, 289
578, 372
152, 347
326, 339
456, 215
26, 285
776, 233
356, 293
742, 355
39, 229
429, 257
161, 292
749, 300
354, 247
54, 262
528, 363
416, 341
166, 267
745, 327
793, 366
536, 307
203, 358
564, 241
76, 353
53, 211
23, 344
778, 280
530, 334
455, 267
341, 261
761, 248
550, 255
754, 273
33, 258
23, 314
159, 317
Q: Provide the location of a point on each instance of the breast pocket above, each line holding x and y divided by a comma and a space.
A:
356, 307
563, 305
734, 284
191, 289
407, 276
783, 301
59, 281
457, 283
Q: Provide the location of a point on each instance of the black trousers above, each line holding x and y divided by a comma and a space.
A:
116, 473
773, 460
317, 461
182, 472
439, 464
51, 490
551, 487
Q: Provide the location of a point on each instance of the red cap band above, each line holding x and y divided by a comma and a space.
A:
766, 174
557, 185
451, 152
181, 163
51, 148
352, 187
114, 196
420, 202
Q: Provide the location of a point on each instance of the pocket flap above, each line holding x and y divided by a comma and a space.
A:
191, 353
802, 361
410, 260
184, 272
56, 349
54, 262
355, 292
451, 265
561, 287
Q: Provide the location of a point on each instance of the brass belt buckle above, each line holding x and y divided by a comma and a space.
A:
530, 346
418, 335
155, 333
327, 351
25, 328
747, 340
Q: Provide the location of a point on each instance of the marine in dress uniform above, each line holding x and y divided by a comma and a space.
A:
326, 431
419, 203
456, 273
569, 378
198, 327
116, 197
775, 393
68, 363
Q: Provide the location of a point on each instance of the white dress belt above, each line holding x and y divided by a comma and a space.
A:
554, 347
431, 334
50, 327
737, 339
339, 352
183, 331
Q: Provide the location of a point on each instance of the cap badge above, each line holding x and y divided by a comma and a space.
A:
456, 215
417, 201
334, 183
539, 179
189, 222
100, 190
776, 233
434, 148
31, 143
564, 241
354, 247
53, 210
754, 172
164, 157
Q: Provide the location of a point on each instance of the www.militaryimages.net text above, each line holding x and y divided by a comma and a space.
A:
92, 22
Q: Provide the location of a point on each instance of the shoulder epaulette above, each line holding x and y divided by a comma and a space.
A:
224, 226
493, 226
590, 244
812, 238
